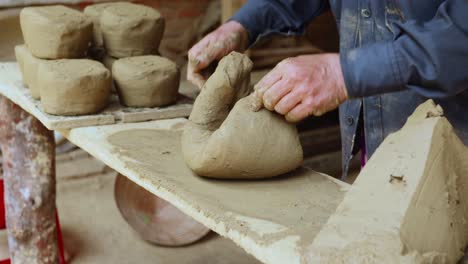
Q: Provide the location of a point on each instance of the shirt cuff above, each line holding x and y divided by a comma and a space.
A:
371, 70
244, 17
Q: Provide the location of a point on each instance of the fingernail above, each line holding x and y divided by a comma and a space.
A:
268, 104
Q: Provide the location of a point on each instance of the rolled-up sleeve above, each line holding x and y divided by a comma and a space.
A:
263, 17
430, 58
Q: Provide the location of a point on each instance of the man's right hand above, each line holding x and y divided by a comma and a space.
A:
231, 36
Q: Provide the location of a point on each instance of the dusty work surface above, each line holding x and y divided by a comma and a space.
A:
275, 220
12, 87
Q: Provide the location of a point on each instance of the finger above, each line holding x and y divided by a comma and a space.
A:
269, 79
258, 96
297, 113
198, 48
196, 65
261, 87
202, 56
203, 60
277, 91
289, 101
191, 67
196, 79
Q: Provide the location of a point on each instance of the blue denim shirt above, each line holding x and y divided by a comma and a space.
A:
395, 54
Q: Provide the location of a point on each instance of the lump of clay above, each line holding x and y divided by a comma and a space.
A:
28, 66
146, 81
73, 87
228, 139
56, 32
95, 13
131, 30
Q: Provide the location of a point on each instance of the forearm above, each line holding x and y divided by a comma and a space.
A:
429, 58
263, 17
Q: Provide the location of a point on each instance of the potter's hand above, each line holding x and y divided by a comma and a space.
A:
302, 86
231, 36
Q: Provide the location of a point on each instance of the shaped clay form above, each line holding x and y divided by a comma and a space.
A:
28, 65
131, 30
146, 81
74, 87
408, 205
94, 12
228, 139
56, 32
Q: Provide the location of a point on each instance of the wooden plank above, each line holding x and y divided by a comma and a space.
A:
12, 87
131, 115
410, 203
275, 220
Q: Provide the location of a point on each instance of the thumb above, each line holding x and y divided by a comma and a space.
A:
193, 75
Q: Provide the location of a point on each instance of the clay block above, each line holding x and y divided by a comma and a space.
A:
146, 81
408, 205
56, 32
74, 87
28, 66
94, 12
131, 30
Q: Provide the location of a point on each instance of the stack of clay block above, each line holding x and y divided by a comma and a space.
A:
54, 65
59, 41
126, 40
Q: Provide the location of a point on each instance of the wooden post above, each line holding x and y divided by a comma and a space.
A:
29, 173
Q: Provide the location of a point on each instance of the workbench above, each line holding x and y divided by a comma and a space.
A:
408, 205
274, 220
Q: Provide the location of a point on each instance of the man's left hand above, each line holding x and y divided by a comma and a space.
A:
302, 86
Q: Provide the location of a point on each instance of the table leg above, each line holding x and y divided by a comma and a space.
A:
29, 174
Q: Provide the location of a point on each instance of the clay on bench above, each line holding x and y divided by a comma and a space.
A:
226, 138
